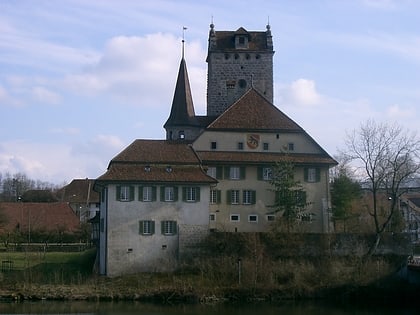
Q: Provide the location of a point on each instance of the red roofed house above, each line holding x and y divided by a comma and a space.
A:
27, 217
212, 172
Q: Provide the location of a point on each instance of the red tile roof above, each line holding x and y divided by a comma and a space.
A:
39, 216
156, 173
214, 157
79, 191
254, 112
157, 152
133, 163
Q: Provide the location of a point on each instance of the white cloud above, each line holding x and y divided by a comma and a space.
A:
303, 91
57, 163
381, 4
396, 112
135, 70
44, 95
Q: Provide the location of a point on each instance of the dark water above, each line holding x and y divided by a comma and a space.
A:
128, 308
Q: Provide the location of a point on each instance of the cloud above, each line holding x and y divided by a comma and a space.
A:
301, 92
134, 70
58, 163
381, 4
398, 113
44, 95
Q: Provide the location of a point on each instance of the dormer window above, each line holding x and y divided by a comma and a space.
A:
169, 169
147, 168
181, 135
241, 41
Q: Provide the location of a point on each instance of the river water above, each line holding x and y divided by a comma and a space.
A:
131, 308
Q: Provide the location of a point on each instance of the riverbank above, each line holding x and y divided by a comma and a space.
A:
181, 290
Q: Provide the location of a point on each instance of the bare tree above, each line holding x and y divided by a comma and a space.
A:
388, 157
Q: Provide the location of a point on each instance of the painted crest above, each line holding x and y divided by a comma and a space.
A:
252, 141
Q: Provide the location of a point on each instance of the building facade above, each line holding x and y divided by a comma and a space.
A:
213, 172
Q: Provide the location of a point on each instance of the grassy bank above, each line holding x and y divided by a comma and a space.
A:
228, 268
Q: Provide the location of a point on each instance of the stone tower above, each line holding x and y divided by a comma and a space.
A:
238, 60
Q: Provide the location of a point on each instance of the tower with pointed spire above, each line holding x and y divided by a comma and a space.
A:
238, 60
182, 123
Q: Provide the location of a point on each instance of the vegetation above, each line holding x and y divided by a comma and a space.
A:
290, 197
14, 187
344, 191
388, 157
226, 266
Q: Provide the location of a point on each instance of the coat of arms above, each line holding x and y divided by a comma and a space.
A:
252, 141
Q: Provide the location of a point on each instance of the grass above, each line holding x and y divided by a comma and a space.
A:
47, 267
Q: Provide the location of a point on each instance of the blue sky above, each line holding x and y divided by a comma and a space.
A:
80, 80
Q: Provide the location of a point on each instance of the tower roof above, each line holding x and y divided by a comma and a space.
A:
182, 110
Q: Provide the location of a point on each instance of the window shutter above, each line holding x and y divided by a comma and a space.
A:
318, 174
131, 193
141, 227
162, 227
153, 194
184, 193
175, 193
140, 193
219, 172
162, 193
260, 173
305, 174
229, 196
218, 196
253, 197
174, 227
152, 227
242, 172
227, 172
118, 196
197, 194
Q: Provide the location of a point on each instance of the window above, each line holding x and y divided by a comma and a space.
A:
253, 218
213, 145
146, 227
241, 40
169, 193
271, 217
191, 194
215, 196
168, 227
125, 193
147, 193
181, 134
212, 216
291, 146
248, 197
265, 146
215, 172
240, 145
267, 173
212, 171
234, 172
233, 196
235, 218
312, 174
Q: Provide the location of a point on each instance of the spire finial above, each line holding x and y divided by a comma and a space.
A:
183, 41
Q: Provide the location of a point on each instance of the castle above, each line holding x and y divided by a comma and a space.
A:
212, 173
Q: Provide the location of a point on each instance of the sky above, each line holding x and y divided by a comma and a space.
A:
80, 80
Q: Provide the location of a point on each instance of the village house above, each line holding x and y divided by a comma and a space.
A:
81, 197
213, 172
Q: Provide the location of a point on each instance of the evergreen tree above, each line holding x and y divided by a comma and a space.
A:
290, 196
